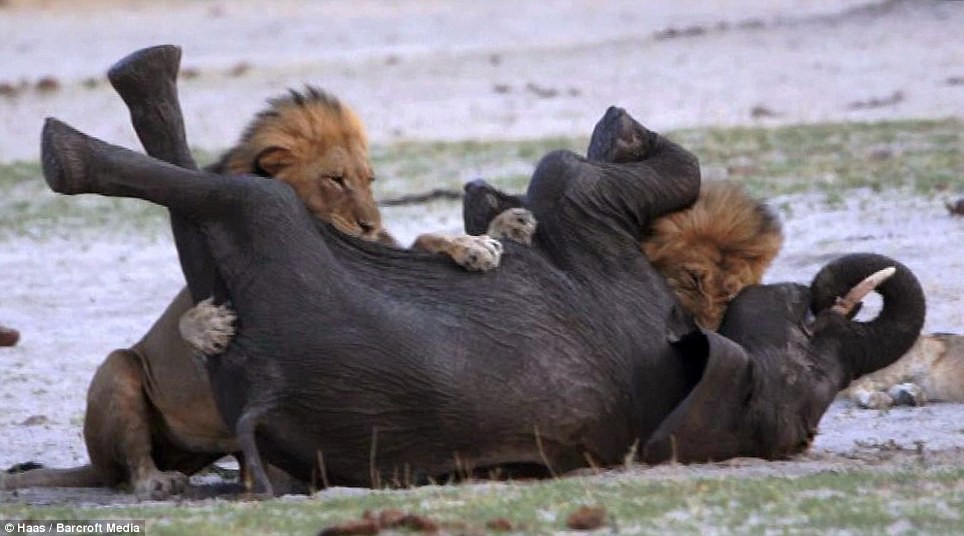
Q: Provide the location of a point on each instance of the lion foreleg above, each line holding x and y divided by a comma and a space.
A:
477, 253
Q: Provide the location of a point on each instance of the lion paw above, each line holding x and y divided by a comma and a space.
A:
873, 400
907, 394
516, 224
208, 328
478, 253
160, 485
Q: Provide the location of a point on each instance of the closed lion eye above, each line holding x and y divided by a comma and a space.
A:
338, 179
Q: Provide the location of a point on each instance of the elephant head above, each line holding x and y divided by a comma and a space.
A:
779, 359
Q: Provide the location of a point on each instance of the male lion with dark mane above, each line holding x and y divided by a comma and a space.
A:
151, 419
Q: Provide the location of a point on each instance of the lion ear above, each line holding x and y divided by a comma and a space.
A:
271, 161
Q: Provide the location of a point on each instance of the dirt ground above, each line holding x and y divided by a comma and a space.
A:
431, 69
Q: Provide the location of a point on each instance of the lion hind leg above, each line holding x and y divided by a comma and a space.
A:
870, 399
475, 253
118, 429
943, 379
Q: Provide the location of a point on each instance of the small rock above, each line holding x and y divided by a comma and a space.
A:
587, 518
47, 84
190, 73
956, 208
240, 69
878, 102
34, 420
541, 91
8, 336
499, 524
759, 111
351, 528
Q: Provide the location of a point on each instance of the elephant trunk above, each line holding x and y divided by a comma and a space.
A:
866, 346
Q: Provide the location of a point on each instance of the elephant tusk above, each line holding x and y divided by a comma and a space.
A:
846, 304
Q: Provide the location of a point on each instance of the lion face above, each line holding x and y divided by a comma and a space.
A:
705, 280
709, 252
317, 145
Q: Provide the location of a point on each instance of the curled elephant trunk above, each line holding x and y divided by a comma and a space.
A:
864, 347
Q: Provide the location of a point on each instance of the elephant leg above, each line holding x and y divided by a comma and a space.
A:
482, 203
230, 210
118, 428
74, 163
147, 82
618, 139
643, 174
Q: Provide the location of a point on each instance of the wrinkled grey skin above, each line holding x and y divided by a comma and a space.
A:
392, 365
764, 396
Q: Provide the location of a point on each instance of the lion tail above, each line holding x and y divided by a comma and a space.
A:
73, 477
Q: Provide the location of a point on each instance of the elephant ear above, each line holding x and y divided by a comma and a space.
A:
699, 429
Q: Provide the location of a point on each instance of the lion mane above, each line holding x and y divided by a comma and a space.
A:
317, 144
709, 252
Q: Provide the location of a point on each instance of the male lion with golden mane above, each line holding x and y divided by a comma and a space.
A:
151, 417
709, 252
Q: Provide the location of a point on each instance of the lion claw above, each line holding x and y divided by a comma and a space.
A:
208, 328
477, 253
516, 224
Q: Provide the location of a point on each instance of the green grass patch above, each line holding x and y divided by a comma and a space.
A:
926, 157
911, 499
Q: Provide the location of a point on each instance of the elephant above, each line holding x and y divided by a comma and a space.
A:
575, 352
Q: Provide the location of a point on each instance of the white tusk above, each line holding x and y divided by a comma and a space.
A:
847, 303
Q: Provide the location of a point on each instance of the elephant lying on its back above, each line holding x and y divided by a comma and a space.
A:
574, 351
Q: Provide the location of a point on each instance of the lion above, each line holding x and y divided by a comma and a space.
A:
709, 252
151, 419
318, 145
931, 371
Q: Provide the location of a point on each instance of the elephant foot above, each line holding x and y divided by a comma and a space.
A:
208, 328
516, 224
138, 75
159, 485
476, 253
64, 152
482, 203
618, 138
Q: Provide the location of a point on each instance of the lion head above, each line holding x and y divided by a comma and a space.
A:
316, 144
709, 252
